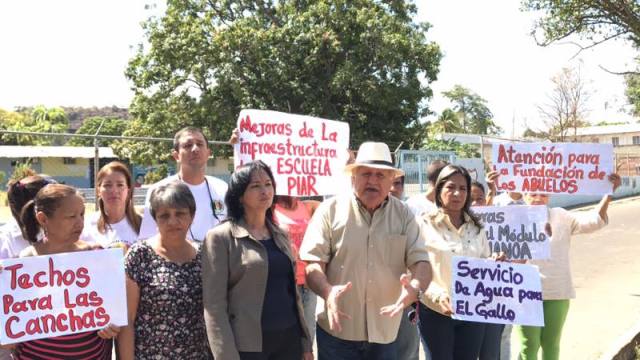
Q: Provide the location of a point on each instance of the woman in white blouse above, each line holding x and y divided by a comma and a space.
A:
116, 223
557, 285
452, 230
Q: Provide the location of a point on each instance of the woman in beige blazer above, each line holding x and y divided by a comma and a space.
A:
251, 307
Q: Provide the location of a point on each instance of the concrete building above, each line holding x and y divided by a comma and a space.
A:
623, 135
72, 165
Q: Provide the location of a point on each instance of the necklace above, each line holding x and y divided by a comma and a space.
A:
211, 204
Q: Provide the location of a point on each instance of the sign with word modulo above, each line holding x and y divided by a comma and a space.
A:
554, 168
516, 230
496, 292
306, 154
53, 295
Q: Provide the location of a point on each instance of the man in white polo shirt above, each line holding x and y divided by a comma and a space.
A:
191, 151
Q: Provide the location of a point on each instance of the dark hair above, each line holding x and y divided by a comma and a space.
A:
21, 191
175, 195
477, 184
238, 185
47, 200
445, 174
401, 179
188, 129
130, 212
433, 170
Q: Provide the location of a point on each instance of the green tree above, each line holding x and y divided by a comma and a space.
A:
161, 172
448, 122
633, 92
110, 126
593, 20
366, 62
22, 170
461, 150
472, 111
37, 119
8, 121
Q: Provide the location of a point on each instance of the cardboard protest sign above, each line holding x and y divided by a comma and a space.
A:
53, 295
554, 168
305, 153
517, 230
496, 292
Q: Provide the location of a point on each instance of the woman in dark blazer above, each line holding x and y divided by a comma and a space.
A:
251, 307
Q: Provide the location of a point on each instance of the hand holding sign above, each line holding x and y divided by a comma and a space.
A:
559, 168
496, 292
110, 332
53, 295
616, 180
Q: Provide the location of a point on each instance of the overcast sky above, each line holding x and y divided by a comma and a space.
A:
74, 52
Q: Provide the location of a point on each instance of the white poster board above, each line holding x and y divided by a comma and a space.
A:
554, 168
306, 154
53, 295
516, 230
496, 292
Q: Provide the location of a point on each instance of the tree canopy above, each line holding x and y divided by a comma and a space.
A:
366, 62
110, 126
472, 111
461, 150
593, 20
36, 119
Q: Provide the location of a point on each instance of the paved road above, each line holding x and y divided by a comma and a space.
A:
606, 269
606, 274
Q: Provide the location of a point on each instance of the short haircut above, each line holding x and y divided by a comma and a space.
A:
401, 178
185, 130
433, 170
174, 195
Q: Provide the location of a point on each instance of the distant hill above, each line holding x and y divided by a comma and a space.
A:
77, 115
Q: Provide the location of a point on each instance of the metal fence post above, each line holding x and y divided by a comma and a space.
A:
96, 164
420, 173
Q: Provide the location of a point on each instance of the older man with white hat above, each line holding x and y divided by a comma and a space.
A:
359, 247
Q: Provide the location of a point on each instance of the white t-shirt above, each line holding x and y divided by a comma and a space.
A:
122, 231
204, 218
11, 240
420, 205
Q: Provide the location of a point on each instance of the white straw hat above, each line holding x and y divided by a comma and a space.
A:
374, 155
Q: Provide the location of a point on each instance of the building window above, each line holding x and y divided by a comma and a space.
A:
615, 140
636, 140
69, 161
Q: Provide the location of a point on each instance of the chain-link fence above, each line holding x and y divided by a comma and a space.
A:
78, 166
415, 163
